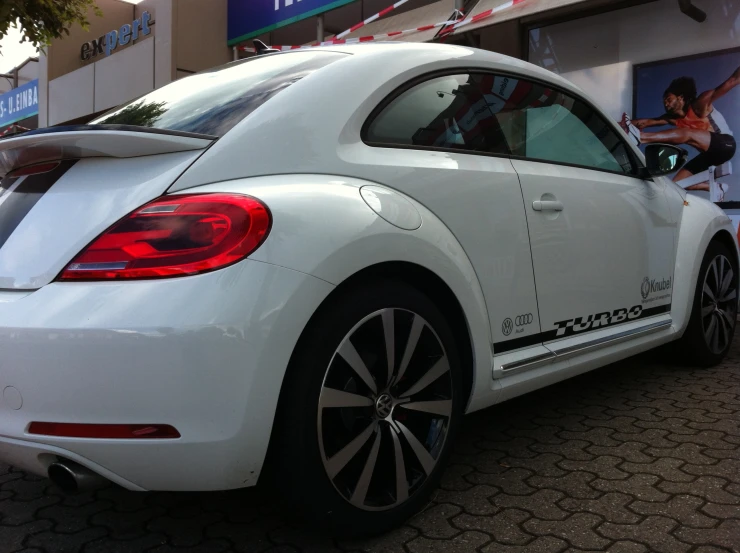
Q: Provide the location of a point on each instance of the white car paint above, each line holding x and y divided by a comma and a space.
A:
208, 353
204, 353
86, 200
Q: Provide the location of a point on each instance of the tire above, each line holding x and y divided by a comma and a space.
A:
313, 434
711, 327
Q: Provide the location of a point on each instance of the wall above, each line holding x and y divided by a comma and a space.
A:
200, 35
164, 38
64, 53
598, 53
104, 82
504, 38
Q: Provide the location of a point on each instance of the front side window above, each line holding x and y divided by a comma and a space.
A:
503, 115
544, 124
213, 102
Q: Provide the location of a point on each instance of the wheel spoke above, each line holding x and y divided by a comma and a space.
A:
345, 455
416, 327
716, 274
390, 341
706, 311
725, 326
402, 485
350, 355
709, 332
425, 459
726, 282
708, 291
729, 295
337, 398
726, 319
437, 370
715, 335
440, 407
358, 496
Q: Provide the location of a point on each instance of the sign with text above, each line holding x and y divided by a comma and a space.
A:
106, 44
20, 103
251, 18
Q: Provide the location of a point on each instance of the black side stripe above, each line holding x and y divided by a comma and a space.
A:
22, 200
506, 346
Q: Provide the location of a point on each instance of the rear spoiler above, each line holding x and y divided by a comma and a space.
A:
83, 141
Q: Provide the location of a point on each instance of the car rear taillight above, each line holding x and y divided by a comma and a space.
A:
175, 236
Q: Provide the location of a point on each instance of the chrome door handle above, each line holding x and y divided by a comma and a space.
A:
547, 205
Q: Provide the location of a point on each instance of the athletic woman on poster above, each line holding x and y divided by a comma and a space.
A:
697, 122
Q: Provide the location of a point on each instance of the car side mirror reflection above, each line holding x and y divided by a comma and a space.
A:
664, 159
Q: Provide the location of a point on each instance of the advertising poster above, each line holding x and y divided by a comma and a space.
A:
694, 102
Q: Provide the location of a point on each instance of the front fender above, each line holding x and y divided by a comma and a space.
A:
323, 227
700, 222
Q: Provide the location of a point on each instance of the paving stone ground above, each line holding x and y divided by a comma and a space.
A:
637, 457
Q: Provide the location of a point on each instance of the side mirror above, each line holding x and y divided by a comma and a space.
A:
664, 159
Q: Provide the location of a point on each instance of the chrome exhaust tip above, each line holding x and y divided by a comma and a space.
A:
72, 477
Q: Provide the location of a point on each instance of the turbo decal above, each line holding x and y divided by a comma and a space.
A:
600, 320
581, 325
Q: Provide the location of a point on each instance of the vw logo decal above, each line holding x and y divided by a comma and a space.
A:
507, 326
384, 405
522, 320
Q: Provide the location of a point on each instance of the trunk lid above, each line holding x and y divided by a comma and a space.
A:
46, 219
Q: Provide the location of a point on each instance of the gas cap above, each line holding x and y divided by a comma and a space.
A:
391, 206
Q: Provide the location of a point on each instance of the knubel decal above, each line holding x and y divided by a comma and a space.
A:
652, 286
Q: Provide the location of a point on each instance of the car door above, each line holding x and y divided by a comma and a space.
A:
602, 238
436, 141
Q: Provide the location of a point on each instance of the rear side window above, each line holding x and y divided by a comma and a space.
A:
213, 102
503, 115
447, 112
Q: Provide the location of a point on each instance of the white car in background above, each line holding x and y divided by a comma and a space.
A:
309, 265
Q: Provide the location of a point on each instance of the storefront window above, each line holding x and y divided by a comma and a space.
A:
213, 102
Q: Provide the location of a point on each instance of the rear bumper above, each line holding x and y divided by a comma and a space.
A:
205, 354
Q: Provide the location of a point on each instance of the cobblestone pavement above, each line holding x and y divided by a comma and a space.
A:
632, 458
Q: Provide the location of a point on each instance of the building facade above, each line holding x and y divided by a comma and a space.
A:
129, 51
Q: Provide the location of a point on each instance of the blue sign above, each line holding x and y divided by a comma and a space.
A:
251, 18
19, 103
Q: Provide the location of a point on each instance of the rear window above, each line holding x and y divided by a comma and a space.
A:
213, 102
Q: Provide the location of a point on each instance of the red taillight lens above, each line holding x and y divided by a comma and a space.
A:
105, 431
175, 236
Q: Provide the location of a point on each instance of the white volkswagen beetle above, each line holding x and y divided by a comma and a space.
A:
309, 265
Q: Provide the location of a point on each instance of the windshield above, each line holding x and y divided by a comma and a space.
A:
213, 102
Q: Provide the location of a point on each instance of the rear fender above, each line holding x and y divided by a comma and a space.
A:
323, 227
701, 221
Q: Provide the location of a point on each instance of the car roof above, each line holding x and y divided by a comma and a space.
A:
472, 56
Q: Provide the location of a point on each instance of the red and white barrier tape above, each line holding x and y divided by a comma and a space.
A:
361, 38
378, 15
14, 127
488, 13
453, 25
